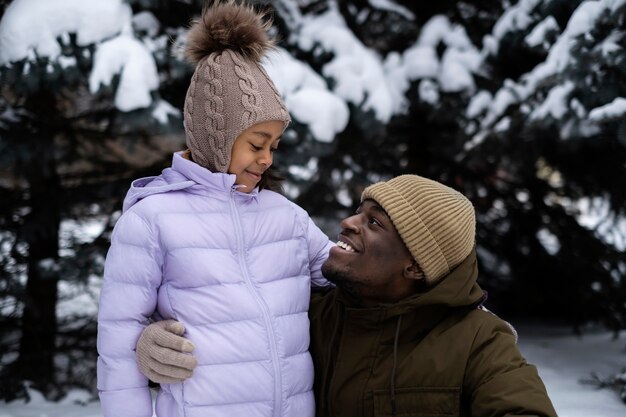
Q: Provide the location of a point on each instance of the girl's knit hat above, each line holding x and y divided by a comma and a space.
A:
436, 223
229, 90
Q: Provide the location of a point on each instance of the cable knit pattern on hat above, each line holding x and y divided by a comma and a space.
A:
436, 223
284, 114
212, 125
214, 109
230, 91
250, 97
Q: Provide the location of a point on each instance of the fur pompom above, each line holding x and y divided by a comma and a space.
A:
227, 25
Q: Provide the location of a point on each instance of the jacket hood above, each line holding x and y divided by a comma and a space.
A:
183, 174
457, 289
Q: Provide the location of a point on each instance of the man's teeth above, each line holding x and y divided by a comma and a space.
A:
344, 245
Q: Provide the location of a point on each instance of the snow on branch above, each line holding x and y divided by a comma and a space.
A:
35, 25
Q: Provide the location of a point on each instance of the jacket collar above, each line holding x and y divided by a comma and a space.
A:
457, 289
215, 181
422, 312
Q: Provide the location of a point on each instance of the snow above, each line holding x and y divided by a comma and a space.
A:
34, 25
478, 104
556, 104
146, 22
76, 404
391, 6
515, 18
421, 62
302, 172
327, 119
563, 360
460, 59
356, 71
504, 98
343, 197
78, 300
537, 36
163, 110
549, 241
353, 73
397, 79
128, 57
503, 125
457, 38
48, 264
615, 5
581, 21
455, 75
595, 214
66, 61
106, 24
434, 30
307, 96
611, 111
611, 45
428, 92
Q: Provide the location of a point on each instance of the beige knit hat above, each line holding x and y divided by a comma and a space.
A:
229, 90
436, 223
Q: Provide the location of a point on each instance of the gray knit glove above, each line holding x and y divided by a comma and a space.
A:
163, 355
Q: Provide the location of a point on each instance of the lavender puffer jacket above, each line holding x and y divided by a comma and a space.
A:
236, 269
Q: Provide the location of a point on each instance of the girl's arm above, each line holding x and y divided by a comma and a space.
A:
319, 245
132, 274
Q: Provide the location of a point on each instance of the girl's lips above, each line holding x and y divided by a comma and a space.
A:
253, 175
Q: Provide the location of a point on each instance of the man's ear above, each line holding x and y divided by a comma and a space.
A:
414, 272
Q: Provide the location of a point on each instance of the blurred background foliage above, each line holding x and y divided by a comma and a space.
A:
535, 136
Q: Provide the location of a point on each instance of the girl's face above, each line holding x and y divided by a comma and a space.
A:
252, 153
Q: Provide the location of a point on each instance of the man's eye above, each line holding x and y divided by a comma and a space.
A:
374, 221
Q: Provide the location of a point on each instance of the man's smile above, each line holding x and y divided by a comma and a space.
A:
345, 246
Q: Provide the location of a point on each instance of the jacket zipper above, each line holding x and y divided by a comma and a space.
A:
260, 302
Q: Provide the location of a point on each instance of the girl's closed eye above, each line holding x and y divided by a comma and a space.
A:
256, 148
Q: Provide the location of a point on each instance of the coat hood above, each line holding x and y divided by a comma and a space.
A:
457, 289
183, 174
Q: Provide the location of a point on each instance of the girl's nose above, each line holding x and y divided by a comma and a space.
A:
266, 158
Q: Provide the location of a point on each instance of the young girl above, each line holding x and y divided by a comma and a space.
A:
207, 244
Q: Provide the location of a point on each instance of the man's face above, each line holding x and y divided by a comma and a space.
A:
370, 259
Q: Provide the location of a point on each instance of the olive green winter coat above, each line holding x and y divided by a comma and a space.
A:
434, 354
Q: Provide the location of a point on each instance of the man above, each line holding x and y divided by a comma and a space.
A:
403, 332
